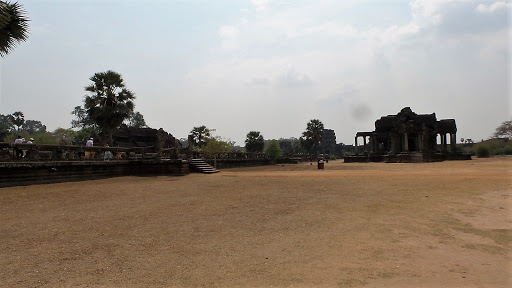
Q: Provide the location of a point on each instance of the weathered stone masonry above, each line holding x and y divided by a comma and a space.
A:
408, 137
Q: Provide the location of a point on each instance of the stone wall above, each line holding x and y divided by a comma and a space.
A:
28, 173
238, 163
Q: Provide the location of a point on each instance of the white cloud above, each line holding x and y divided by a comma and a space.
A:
415, 63
332, 29
260, 4
293, 79
229, 35
496, 6
228, 32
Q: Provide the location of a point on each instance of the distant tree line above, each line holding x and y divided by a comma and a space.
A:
106, 107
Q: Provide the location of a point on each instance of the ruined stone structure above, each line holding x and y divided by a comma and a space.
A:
408, 137
131, 137
328, 144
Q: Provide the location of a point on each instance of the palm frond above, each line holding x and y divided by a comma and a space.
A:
13, 26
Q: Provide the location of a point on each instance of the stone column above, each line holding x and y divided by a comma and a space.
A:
427, 142
406, 143
364, 144
356, 145
420, 142
443, 142
453, 142
395, 138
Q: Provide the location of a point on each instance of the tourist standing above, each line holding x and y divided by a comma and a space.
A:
89, 154
19, 152
25, 151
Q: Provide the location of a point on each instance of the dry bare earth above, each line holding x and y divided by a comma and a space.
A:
443, 224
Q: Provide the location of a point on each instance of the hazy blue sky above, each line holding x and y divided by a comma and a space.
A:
268, 65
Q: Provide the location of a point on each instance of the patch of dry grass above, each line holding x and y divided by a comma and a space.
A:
348, 226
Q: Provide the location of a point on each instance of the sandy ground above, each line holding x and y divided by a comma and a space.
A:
443, 224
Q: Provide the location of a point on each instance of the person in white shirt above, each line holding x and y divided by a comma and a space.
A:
18, 140
89, 154
26, 152
19, 152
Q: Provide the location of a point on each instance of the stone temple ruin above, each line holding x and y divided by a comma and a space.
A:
144, 137
408, 137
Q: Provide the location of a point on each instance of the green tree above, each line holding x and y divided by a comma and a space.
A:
109, 103
82, 121
215, 146
504, 130
64, 136
87, 127
297, 147
45, 138
273, 150
136, 120
200, 135
33, 127
254, 142
18, 119
4, 131
83, 135
13, 26
312, 137
6, 126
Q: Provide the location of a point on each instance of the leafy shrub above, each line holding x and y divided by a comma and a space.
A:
274, 150
482, 151
495, 146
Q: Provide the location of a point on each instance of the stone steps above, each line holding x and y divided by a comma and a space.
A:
201, 166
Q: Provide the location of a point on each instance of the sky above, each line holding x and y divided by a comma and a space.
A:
268, 65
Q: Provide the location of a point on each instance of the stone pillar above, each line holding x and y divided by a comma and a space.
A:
427, 142
406, 143
453, 142
445, 146
364, 144
395, 138
443, 142
356, 145
420, 142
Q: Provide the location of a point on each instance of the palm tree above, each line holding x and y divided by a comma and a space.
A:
254, 142
110, 103
200, 134
13, 26
18, 119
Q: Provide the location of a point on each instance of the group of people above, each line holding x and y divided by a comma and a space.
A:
107, 155
22, 153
